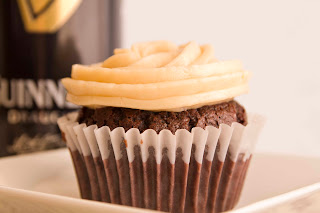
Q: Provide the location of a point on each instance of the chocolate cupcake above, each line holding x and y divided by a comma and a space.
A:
159, 128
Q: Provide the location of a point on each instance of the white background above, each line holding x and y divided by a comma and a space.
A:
278, 41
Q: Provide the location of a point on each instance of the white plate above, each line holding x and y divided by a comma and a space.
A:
51, 173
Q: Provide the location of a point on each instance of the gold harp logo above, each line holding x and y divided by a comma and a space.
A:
46, 16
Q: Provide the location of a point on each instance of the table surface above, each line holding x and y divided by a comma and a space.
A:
51, 172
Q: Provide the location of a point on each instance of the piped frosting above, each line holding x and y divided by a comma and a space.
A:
157, 76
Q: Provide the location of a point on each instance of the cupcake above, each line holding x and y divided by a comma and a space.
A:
159, 128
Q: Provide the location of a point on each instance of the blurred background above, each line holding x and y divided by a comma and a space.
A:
278, 41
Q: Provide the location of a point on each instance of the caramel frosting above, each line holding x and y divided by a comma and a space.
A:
157, 76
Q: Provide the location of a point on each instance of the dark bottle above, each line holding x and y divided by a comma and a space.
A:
39, 41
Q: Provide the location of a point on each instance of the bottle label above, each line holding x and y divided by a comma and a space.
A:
28, 94
46, 16
30, 109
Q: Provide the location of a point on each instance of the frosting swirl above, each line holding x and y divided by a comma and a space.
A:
157, 76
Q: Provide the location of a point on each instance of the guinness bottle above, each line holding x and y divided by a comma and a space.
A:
39, 41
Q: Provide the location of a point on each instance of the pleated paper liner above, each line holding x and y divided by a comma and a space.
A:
198, 171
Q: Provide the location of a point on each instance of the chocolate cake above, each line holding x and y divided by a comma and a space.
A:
210, 115
119, 151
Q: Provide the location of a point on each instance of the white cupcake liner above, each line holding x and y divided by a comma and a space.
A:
197, 171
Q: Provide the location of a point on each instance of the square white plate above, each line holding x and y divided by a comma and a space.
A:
51, 173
